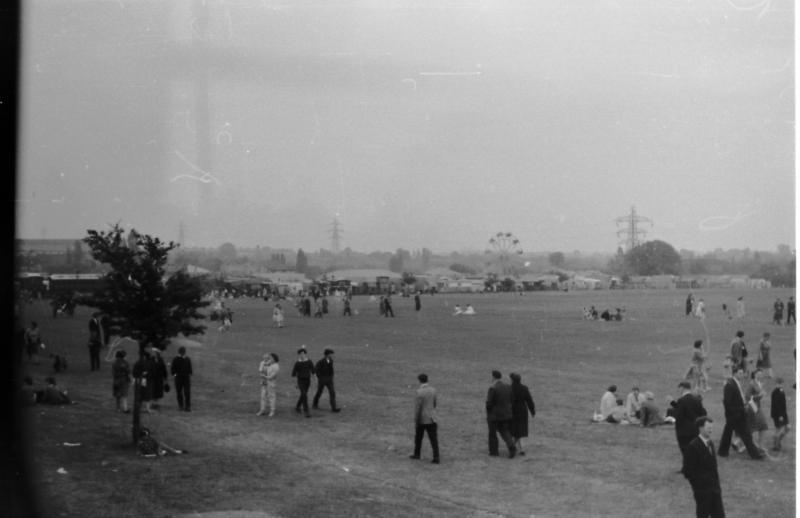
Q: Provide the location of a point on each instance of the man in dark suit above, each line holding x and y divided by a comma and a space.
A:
498, 415
181, 370
687, 409
425, 418
324, 371
735, 417
700, 468
303, 370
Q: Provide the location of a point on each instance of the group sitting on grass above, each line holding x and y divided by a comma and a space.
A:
638, 409
606, 315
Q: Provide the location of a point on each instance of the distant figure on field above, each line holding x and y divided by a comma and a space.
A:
387, 305
499, 415
94, 351
33, 341
764, 361
698, 371
690, 304
521, 405
417, 302
700, 468
740, 312
780, 418
158, 378
457, 310
738, 352
425, 418
347, 311
469, 310
700, 311
277, 316
777, 317
790, 311
181, 370
727, 311
121, 380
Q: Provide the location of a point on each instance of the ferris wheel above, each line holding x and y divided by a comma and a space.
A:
504, 246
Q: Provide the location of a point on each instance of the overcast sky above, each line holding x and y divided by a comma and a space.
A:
422, 123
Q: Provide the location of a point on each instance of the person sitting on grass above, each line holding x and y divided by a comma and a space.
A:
52, 394
148, 446
611, 409
651, 414
457, 310
469, 310
633, 405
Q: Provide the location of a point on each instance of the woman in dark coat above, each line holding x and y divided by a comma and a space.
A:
521, 404
142, 374
157, 377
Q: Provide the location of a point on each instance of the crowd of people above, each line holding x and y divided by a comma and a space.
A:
508, 405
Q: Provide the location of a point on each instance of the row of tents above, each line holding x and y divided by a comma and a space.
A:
446, 280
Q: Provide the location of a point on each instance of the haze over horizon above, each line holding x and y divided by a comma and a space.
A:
420, 123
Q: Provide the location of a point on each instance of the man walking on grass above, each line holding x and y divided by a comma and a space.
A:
498, 415
303, 370
324, 371
735, 417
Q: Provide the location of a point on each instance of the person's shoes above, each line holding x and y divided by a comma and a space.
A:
415, 457
297, 409
522, 453
259, 413
187, 409
126, 411
271, 414
308, 414
336, 410
512, 453
315, 407
723, 455
435, 461
494, 454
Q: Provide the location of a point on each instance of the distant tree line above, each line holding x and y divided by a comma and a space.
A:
650, 258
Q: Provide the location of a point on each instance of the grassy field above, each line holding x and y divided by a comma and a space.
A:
355, 463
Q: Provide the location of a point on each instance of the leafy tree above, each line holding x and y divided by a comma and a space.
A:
398, 259
227, 252
301, 264
138, 299
409, 278
426, 258
556, 259
653, 258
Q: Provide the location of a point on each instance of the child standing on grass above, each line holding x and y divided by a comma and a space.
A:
779, 415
